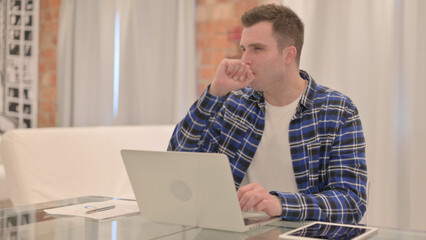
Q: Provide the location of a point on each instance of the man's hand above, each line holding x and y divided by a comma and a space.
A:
253, 196
231, 75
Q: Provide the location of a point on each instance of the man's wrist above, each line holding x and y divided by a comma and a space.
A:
214, 92
279, 202
278, 199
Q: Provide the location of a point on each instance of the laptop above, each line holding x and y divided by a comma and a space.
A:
188, 188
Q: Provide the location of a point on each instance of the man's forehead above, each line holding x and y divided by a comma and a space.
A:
258, 34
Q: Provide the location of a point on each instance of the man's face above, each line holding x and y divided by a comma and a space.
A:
260, 52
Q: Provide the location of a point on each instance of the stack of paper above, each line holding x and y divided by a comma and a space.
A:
98, 210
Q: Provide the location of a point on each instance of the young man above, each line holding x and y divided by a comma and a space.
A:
296, 149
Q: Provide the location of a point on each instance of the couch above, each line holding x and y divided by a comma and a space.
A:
47, 164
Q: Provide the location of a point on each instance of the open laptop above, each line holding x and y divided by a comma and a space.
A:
187, 188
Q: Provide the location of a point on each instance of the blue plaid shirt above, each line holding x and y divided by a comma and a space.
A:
326, 144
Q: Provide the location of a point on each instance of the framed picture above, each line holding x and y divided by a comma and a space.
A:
19, 30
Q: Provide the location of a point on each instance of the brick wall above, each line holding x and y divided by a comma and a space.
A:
218, 34
47, 102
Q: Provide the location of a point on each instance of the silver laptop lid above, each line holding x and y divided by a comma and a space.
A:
185, 188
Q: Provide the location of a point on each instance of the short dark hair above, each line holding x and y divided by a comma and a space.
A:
286, 25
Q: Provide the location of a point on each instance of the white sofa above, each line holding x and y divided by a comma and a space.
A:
47, 164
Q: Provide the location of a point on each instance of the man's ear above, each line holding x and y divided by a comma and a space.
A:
289, 54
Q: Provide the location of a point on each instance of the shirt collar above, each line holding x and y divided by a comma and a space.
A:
308, 94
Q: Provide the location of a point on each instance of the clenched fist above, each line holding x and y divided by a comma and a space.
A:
231, 75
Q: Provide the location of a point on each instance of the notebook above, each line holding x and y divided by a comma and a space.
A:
187, 188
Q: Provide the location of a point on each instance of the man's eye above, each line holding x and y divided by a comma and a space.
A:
257, 48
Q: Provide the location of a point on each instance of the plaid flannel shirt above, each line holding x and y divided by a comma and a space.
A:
326, 143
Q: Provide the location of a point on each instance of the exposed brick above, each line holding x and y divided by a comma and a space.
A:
212, 57
55, 4
207, 73
220, 41
44, 81
42, 119
201, 87
50, 27
46, 15
243, 6
46, 120
52, 65
56, 13
48, 107
226, 25
52, 119
217, 57
202, 13
47, 93
206, 28
223, 11
201, 42
49, 22
42, 67
206, 57
53, 80
49, 53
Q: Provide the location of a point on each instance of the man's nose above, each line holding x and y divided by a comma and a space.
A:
245, 58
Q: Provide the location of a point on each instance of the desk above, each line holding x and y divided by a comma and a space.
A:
31, 222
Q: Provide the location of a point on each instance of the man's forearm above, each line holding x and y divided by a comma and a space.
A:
332, 206
191, 134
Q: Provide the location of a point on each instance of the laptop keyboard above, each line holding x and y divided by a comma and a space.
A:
248, 221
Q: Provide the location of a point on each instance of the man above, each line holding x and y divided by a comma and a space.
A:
296, 148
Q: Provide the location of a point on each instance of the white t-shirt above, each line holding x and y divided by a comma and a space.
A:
272, 166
